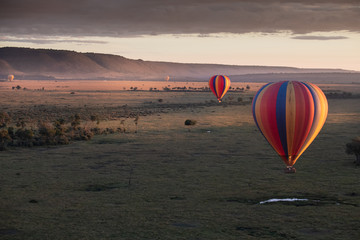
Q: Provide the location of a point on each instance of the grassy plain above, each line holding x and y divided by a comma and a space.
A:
171, 181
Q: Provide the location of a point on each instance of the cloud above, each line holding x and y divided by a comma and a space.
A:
319, 37
152, 17
50, 41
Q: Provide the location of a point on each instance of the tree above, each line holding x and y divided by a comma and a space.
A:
354, 148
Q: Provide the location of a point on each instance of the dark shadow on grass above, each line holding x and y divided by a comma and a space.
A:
4, 232
103, 187
264, 232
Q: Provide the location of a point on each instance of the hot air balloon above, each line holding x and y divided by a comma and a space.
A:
10, 78
290, 115
219, 85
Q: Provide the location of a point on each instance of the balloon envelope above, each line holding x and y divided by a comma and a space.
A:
10, 78
290, 115
219, 85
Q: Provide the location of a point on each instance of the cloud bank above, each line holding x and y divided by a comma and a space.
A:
319, 37
125, 18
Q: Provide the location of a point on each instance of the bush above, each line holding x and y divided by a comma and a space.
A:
11, 132
79, 134
75, 121
24, 134
190, 122
4, 119
354, 148
46, 133
96, 131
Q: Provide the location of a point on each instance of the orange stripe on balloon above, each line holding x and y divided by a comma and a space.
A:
257, 111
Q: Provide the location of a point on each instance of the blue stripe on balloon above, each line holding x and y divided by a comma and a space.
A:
281, 115
214, 85
254, 104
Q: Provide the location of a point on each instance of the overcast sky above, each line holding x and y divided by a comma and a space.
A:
299, 33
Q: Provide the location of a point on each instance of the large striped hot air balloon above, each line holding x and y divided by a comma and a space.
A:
290, 115
219, 85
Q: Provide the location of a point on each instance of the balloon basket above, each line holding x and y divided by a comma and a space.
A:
290, 170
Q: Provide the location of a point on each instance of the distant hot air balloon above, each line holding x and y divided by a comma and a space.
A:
290, 115
219, 85
10, 78
167, 78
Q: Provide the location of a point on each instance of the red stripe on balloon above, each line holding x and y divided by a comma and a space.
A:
220, 85
304, 116
268, 117
211, 84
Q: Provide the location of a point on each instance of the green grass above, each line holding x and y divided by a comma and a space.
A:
171, 181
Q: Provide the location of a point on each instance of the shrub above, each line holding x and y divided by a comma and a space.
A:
4, 135
190, 122
136, 121
11, 132
166, 89
75, 122
96, 131
46, 133
94, 118
354, 148
122, 128
4, 119
24, 134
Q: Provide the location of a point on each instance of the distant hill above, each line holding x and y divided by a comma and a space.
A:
27, 63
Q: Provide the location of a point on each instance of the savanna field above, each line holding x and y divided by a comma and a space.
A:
144, 174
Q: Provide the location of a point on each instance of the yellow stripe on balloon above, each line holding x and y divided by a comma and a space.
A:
322, 110
226, 87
